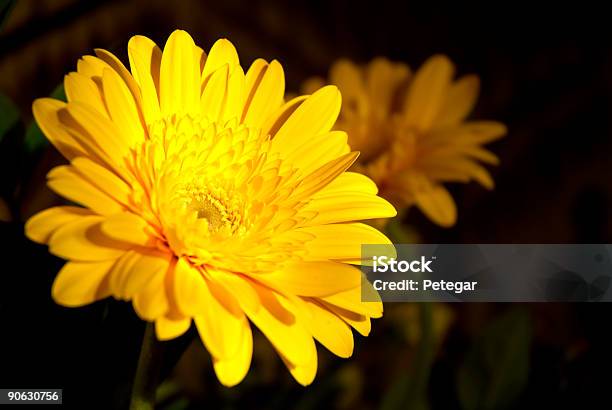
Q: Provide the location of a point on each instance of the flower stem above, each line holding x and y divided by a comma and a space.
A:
409, 391
147, 372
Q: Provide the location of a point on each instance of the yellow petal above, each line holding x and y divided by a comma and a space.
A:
135, 269
444, 156
350, 182
321, 149
79, 284
427, 92
92, 67
69, 183
328, 329
265, 96
221, 53
341, 242
41, 226
383, 79
218, 318
83, 240
252, 79
167, 329
191, 291
348, 77
151, 302
473, 170
279, 324
351, 300
103, 179
473, 132
305, 373
234, 98
122, 108
480, 154
324, 175
361, 323
231, 371
128, 227
45, 112
437, 204
222, 338
213, 98
81, 88
239, 285
346, 207
460, 101
145, 62
99, 137
317, 278
316, 115
276, 120
179, 76
116, 65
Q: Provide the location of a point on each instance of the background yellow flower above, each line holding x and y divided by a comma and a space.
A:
412, 131
207, 199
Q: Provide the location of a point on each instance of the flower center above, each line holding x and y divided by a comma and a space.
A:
220, 208
210, 208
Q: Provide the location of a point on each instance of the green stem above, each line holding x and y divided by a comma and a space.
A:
426, 349
147, 372
410, 389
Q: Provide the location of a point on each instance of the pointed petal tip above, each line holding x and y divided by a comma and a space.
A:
391, 211
440, 63
228, 379
179, 32
43, 103
224, 44
29, 232
179, 35
224, 41
447, 223
329, 96
330, 89
439, 58
137, 38
37, 105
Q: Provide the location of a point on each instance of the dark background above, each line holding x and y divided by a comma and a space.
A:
546, 73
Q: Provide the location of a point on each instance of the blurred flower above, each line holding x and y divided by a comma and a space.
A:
411, 130
207, 198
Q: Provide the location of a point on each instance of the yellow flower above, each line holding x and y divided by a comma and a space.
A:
206, 198
411, 130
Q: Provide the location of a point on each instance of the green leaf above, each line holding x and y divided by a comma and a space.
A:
35, 139
6, 6
495, 370
9, 116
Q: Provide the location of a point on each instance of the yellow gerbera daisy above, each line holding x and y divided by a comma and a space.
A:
206, 198
411, 130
